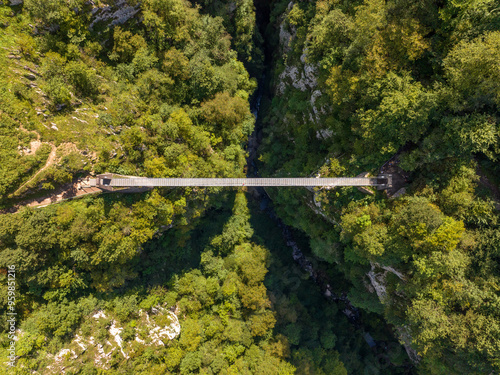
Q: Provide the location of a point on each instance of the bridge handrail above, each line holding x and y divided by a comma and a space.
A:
110, 181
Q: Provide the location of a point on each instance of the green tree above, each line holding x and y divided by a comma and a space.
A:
125, 45
470, 69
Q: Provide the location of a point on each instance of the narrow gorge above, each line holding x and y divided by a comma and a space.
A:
218, 280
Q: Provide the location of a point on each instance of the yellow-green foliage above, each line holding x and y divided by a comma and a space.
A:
156, 101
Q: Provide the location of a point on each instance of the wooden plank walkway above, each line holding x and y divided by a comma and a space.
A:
175, 182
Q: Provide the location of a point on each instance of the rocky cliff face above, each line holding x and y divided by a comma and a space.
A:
114, 15
300, 75
377, 276
107, 338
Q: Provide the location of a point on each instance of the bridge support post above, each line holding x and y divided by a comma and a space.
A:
103, 181
387, 178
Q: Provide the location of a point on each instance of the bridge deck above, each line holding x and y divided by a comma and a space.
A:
173, 182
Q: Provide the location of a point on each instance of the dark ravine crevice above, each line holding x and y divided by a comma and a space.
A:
309, 264
319, 276
263, 16
263, 92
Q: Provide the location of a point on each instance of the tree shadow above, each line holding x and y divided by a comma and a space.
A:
178, 250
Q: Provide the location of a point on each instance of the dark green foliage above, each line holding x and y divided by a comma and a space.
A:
419, 78
223, 308
166, 94
239, 19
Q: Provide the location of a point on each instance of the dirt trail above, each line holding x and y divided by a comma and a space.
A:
50, 161
34, 145
66, 192
22, 128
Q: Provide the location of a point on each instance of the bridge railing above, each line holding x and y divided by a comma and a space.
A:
113, 182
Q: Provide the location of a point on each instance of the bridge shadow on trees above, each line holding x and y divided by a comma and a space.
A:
178, 249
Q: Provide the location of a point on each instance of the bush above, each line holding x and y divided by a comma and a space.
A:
83, 79
128, 333
57, 90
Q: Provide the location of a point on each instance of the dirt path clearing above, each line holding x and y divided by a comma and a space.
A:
50, 160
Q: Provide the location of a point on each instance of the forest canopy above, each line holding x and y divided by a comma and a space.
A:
219, 88
410, 88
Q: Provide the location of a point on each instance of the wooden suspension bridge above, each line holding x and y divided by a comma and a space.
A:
114, 182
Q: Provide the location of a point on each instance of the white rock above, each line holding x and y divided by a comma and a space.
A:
63, 353
99, 314
77, 119
301, 81
115, 332
159, 334
139, 340
324, 133
78, 340
119, 14
378, 282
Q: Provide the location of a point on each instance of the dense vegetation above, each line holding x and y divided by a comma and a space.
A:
226, 324
136, 98
161, 88
158, 91
420, 78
